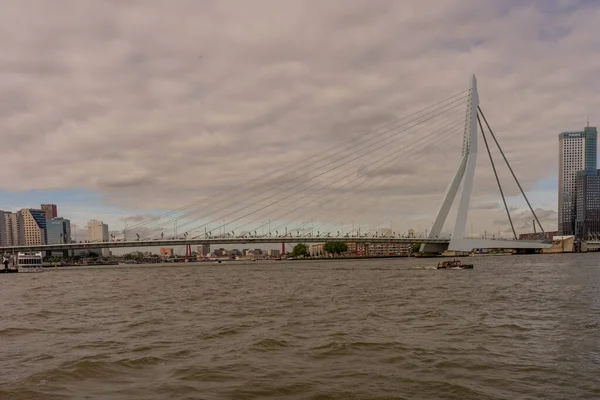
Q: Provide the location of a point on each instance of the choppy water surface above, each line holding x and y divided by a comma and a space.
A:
515, 327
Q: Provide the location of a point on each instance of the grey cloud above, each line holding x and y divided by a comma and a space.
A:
116, 96
137, 217
485, 206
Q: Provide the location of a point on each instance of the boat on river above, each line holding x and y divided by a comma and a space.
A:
31, 261
454, 264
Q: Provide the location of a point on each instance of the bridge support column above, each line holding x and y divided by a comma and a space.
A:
464, 175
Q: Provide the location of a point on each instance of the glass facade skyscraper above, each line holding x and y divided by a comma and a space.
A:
577, 182
58, 231
590, 138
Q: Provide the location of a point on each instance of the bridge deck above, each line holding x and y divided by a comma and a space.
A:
475, 243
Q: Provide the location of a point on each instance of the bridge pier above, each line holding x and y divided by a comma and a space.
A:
434, 248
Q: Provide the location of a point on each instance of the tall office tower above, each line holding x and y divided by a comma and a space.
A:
11, 227
50, 210
97, 231
31, 225
577, 157
587, 187
3, 232
58, 230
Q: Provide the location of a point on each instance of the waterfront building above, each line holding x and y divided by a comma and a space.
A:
367, 249
577, 152
10, 228
166, 252
204, 250
31, 225
58, 230
98, 232
220, 252
587, 205
538, 235
3, 232
50, 210
273, 253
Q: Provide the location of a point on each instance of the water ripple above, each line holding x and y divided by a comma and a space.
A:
522, 327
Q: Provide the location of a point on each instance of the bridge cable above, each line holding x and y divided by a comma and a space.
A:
360, 149
323, 153
369, 204
511, 170
335, 205
312, 185
369, 168
377, 145
496, 175
328, 185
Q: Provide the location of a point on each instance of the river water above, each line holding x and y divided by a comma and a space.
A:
515, 327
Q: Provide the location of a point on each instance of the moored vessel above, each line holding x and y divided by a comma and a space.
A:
30, 262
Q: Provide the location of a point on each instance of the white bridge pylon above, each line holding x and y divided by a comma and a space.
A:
463, 178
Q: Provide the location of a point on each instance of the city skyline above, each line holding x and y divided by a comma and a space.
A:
142, 129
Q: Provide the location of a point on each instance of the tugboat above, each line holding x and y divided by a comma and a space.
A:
454, 264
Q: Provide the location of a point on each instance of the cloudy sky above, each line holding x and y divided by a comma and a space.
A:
119, 110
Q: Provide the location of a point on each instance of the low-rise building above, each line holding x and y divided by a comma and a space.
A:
274, 253
204, 250
367, 249
166, 252
538, 236
561, 244
220, 252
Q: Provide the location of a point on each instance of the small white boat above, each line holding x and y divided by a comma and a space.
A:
30, 262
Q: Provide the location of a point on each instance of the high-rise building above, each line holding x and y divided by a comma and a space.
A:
58, 230
587, 205
11, 228
97, 231
590, 135
576, 180
50, 210
31, 225
3, 232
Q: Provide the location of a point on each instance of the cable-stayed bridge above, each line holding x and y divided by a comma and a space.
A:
350, 192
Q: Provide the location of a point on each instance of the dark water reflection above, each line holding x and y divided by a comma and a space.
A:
515, 327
